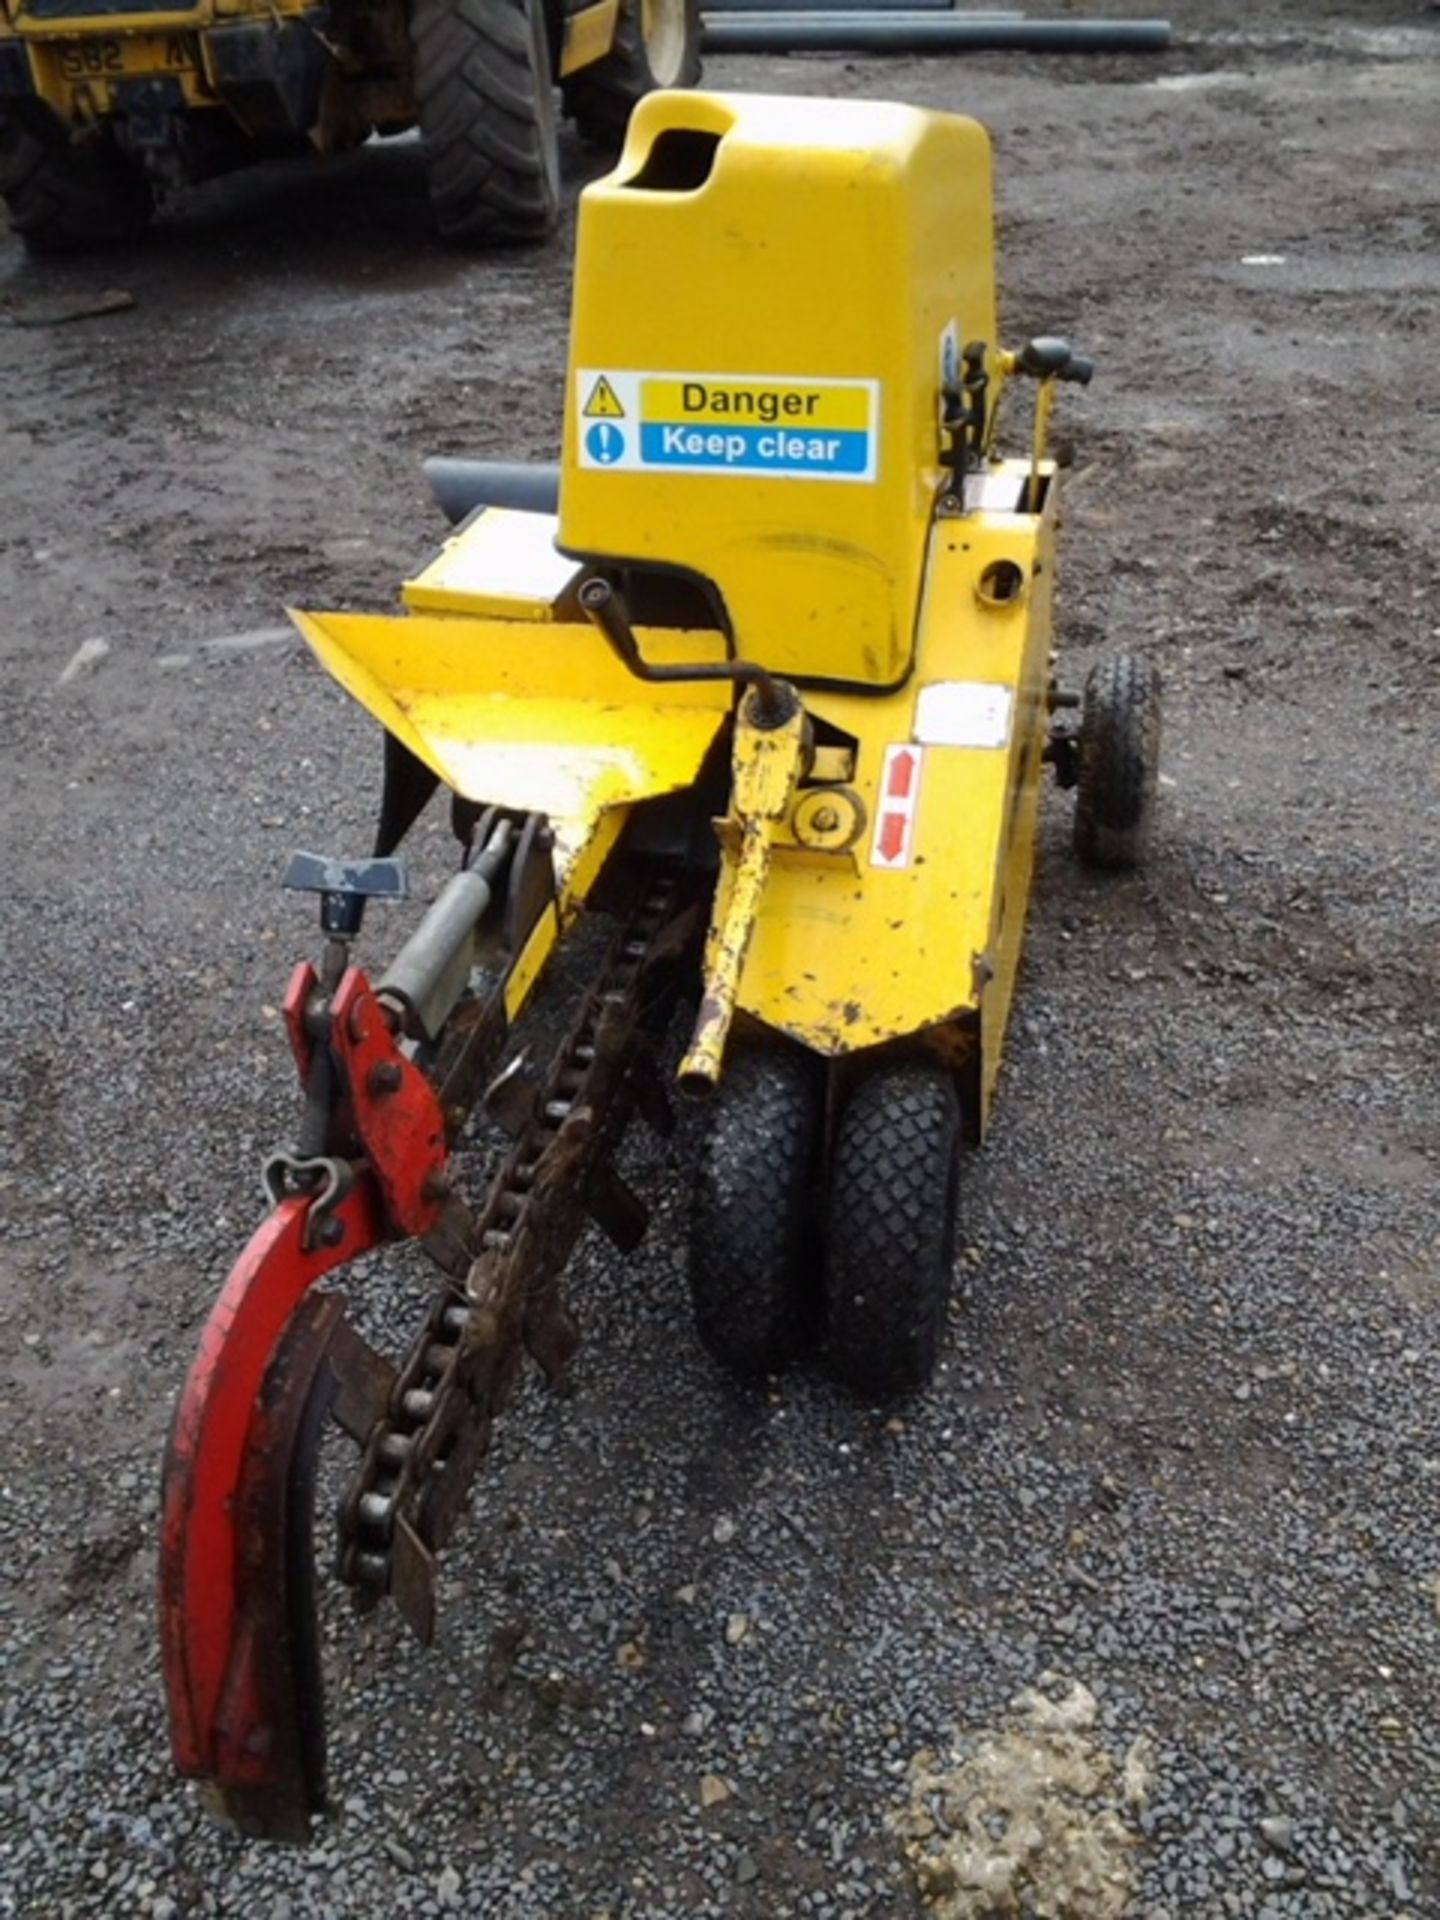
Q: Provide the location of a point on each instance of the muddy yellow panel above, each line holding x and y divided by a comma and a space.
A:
919, 922
79, 73
543, 719
764, 291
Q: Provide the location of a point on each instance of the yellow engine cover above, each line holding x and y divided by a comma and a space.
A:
765, 292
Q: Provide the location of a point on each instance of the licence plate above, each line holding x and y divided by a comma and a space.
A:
107, 58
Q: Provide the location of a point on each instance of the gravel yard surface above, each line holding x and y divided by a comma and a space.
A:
1159, 1555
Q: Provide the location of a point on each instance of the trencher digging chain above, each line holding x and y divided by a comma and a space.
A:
761, 673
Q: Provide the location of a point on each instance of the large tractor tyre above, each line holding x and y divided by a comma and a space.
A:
1118, 762
63, 195
753, 1285
487, 119
657, 44
890, 1229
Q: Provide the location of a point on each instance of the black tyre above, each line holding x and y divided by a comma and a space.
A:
657, 44
890, 1228
487, 119
753, 1284
1118, 762
63, 196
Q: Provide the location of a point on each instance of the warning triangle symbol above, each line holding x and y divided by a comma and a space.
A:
604, 402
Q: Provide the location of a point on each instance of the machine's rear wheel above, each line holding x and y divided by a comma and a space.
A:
487, 118
64, 196
890, 1239
1118, 762
752, 1282
657, 44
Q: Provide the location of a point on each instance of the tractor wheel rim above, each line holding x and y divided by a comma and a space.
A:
663, 29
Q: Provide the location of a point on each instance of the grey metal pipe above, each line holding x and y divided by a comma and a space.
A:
828, 16
878, 32
460, 486
431, 970
863, 6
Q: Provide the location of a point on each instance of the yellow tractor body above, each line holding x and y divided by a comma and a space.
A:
103, 105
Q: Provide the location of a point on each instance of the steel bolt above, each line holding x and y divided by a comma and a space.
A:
825, 819
385, 1077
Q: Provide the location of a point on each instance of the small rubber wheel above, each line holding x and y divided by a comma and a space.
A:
890, 1228
65, 196
656, 44
488, 125
753, 1285
1118, 762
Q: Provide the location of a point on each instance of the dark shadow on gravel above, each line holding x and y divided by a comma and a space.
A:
359, 222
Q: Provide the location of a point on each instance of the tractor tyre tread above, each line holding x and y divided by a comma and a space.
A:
487, 119
754, 1304
600, 98
1118, 762
891, 1229
64, 196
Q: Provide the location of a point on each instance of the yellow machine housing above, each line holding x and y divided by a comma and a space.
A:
757, 272
876, 227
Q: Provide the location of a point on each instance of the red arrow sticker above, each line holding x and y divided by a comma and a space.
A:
895, 813
899, 773
891, 843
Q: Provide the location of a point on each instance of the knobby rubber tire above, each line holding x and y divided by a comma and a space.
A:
65, 196
600, 98
890, 1229
487, 119
751, 1264
1118, 762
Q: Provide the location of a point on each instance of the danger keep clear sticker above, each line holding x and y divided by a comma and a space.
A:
775, 425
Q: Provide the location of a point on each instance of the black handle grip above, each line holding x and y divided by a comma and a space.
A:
1050, 358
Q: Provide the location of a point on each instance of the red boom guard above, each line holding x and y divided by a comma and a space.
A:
213, 1593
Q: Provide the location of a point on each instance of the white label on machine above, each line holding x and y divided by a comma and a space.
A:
771, 426
896, 806
950, 355
963, 713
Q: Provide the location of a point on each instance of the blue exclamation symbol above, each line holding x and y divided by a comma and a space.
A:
604, 443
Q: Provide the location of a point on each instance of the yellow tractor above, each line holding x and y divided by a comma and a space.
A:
761, 672
105, 102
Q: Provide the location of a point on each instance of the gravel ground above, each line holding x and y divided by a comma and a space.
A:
1185, 1454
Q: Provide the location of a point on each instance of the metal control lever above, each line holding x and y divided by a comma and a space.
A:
344, 886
